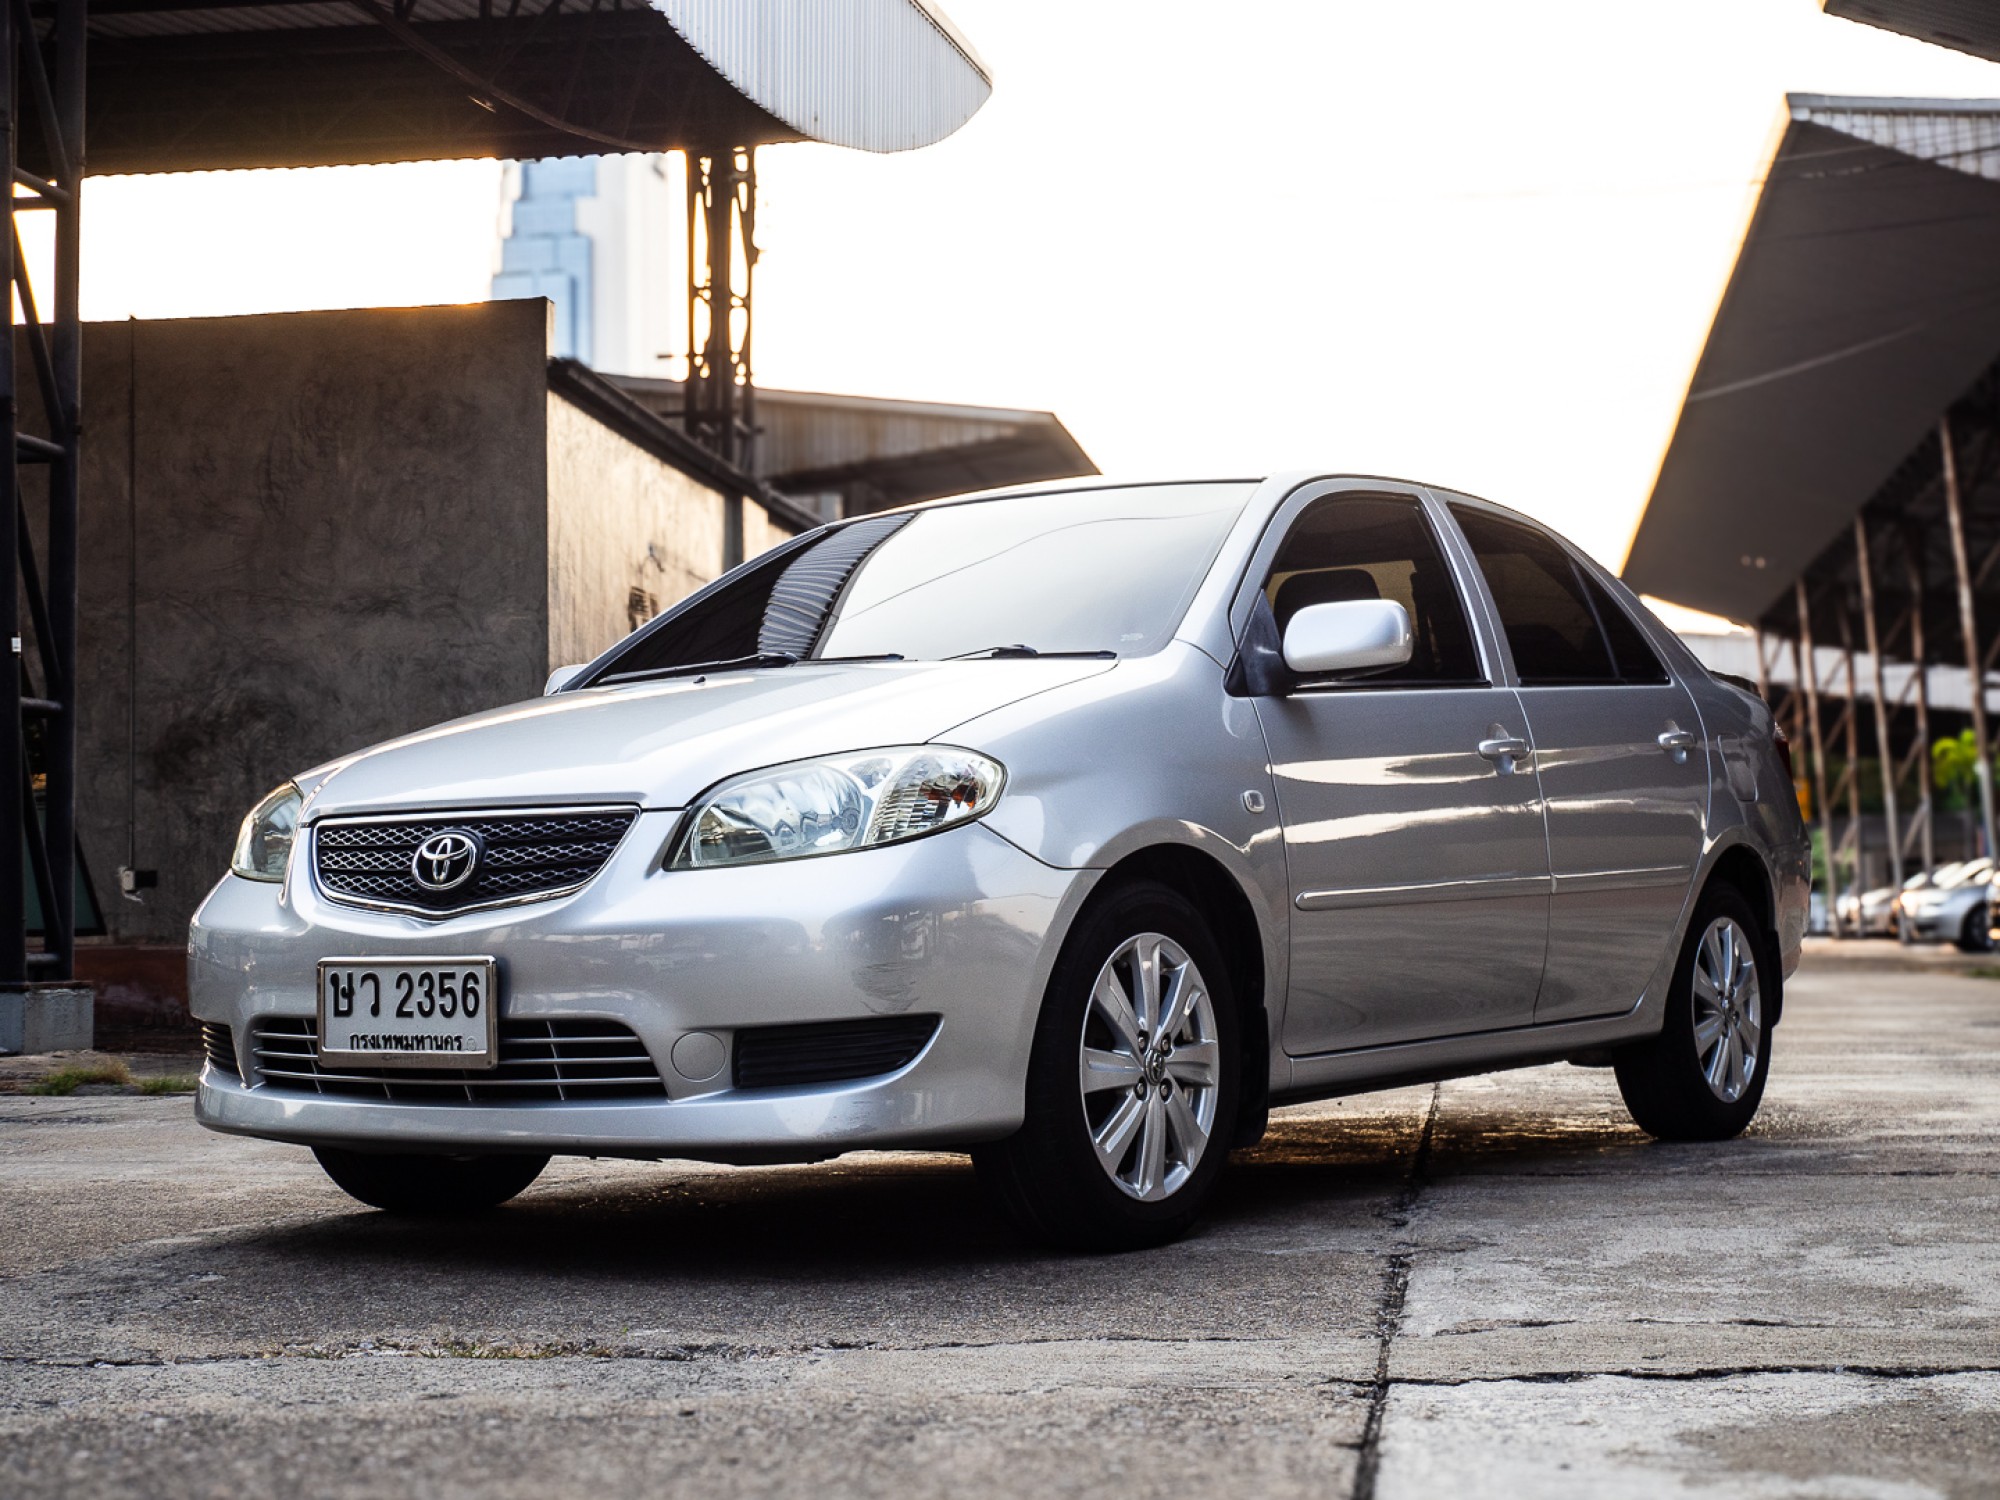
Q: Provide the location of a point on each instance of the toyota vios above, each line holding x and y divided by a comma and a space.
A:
1076, 829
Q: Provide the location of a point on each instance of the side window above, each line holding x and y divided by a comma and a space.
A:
1378, 547
1631, 652
1563, 627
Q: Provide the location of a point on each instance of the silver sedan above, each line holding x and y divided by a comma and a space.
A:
1077, 829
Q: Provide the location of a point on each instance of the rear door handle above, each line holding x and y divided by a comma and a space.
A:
1677, 743
1506, 751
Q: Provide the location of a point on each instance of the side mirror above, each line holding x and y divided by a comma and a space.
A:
1355, 635
562, 677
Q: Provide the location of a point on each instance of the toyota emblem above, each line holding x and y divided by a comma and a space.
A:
445, 861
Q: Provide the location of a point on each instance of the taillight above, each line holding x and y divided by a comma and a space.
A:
1784, 745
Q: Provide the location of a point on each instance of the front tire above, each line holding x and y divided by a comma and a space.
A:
429, 1185
1132, 1081
1702, 1077
1973, 932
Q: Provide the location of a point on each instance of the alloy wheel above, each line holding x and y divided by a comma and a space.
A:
1149, 1067
1728, 1009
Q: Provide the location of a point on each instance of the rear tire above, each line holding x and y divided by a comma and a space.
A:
1132, 1086
1973, 932
1702, 1077
429, 1185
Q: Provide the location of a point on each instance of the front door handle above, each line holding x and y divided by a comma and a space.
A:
1506, 751
1677, 742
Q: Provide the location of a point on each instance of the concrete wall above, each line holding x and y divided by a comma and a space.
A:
303, 533
628, 535
760, 532
338, 535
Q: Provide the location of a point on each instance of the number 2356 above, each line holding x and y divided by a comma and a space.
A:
412, 994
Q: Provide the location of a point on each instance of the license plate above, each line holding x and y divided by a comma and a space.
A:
409, 1012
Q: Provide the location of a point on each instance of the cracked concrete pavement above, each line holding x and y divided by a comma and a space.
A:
1496, 1287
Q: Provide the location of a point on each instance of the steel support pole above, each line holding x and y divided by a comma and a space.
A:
1884, 752
14, 805
1920, 652
1809, 676
66, 354
719, 402
1853, 747
1968, 625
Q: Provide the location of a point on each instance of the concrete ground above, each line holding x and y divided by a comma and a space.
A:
1494, 1288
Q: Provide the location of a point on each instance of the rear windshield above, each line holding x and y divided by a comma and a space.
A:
1081, 571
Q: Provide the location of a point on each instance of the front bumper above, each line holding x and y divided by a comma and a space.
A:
961, 924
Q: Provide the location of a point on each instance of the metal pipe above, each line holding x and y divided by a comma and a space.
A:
1968, 625
1853, 727
1883, 752
1809, 675
15, 821
65, 426
1919, 653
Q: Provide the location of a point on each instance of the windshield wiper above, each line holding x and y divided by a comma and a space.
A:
1002, 652
738, 664
684, 669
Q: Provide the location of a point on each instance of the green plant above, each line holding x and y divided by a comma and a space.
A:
171, 1083
69, 1080
1955, 767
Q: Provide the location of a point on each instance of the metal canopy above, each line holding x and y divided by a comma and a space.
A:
876, 454
1965, 25
1835, 476
189, 85
1862, 304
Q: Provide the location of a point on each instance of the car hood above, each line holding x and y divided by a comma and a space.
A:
659, 744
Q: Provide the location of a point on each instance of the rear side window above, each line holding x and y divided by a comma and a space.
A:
1378, 547
1631, 653
1563, 627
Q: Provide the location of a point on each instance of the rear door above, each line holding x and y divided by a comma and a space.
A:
1414, 840
1622, 760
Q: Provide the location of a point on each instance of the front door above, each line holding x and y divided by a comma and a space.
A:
1412, 820
1624, 768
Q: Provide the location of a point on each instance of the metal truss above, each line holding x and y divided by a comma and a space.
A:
720, 398
41, 103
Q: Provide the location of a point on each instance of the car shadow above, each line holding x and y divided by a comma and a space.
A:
1317, 1177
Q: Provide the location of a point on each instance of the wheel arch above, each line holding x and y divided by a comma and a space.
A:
1740, 867
1209, 886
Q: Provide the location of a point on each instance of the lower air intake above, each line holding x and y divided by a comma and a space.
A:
777, 1057
540, 1061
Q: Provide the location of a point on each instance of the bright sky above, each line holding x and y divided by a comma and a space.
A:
1452, 240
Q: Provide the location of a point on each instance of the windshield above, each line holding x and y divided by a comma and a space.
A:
1091, 572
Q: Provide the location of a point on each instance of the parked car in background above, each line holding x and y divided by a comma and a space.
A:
1873, 913
1954, 908
1073, 828
1878, 911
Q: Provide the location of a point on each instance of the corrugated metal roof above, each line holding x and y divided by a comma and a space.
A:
189, 85
1964, 25
1864, 301
1962, 134
878, 75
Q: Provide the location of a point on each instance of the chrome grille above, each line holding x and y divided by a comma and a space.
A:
540, 1060
525, 857
219, 1047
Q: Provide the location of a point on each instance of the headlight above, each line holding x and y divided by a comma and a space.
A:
836, 803
265, 841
